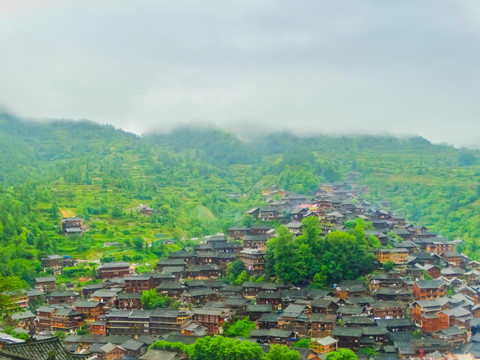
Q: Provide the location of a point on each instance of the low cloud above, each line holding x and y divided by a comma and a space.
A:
318, 66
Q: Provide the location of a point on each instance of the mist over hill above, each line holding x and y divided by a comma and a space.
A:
204, 178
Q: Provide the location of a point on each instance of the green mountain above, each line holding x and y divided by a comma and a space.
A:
201, 181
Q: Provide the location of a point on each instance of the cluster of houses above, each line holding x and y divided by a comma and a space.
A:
427, 306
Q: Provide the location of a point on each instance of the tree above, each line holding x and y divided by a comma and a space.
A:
222, 348
177, 347
241, 278
9, 287
370, 352
117, 212
285, 256
311, 232
54, 211
303, 344
389, 265
152, 300
240, 328
234, 270
320, 279
282, 352
138, 243
342, 354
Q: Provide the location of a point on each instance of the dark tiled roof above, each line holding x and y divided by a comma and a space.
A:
113, 265
430, 284
129, 296
86, 304
39, 349
344, 331
324, 318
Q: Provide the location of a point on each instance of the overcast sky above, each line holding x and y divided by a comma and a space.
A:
401, 67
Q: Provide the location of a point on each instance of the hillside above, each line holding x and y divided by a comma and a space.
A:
201, 181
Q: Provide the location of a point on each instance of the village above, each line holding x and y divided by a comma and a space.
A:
422, 303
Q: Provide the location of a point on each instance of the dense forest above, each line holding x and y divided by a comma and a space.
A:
200, 181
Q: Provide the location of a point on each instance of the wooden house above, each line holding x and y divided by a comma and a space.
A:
174, 289
388, 309
203, 272
99, 327
130, 301
259, 229
324, 306
396, 255
254, 312
66, 319
54, 262
138, 284
429, 289
163, 321
44, 317
268, 321
255, 242
106, 297
349, 288
273, 298
454, 336
187, 257
91, 310
273, 336
25, 320
62, 297
46, 284
212, 319
107, 351
396, 325
324, 345
452, 258
199, 296
322, 324
237, 232
136, 322
254, 260
347, 337
113, 269
71, 225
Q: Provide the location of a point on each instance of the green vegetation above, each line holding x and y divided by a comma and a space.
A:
303, 344
342, 354
239, 328
201, 181
9, 286
19, 335
152, 300
297, 260
223, 348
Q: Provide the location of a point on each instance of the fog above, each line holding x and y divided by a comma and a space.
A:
404, 68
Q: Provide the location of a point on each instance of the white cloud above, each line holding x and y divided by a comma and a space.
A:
400, 67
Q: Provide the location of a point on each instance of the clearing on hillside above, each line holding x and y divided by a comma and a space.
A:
68, 212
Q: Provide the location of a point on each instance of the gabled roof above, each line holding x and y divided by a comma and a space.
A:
38, 349
86, 304
113, 265
457, 312
324, 318
394, 322
132, 345
277, 333
63, 293
326, 341
339, 331
430, 284
23, 315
